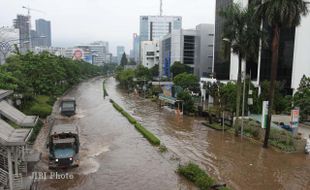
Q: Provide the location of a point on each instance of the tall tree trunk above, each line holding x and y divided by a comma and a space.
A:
274, 71
238, 95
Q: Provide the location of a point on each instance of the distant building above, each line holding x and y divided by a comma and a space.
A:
23, 24
120, 50
43, 30
136, 47
99, 51
150, 53
109, 58
115, 60
193, 47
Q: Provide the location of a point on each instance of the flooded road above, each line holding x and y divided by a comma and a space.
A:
115, 156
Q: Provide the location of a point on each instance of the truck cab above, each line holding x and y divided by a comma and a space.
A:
68, 106
63, 146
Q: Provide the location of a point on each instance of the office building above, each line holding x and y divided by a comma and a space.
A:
150, 53
155, 27
43, 32
99, 51
193, 47
120, 50
293, 55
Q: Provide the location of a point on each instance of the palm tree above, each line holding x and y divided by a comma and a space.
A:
278, 14
241, 35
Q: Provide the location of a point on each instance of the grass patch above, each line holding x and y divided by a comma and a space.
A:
147, 134
117, 107
282, 140
42, 106
215, 126
193, 173
129, 117
35, 132
199, 177
163, 148
105, 93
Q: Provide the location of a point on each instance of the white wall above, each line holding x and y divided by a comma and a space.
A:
301, 63
150, 46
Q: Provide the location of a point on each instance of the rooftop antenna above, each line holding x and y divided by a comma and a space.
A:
161, 7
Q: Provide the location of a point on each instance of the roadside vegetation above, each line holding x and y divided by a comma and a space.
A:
199, 177
38, 79
146, 133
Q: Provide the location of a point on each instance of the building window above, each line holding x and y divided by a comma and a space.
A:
211, 34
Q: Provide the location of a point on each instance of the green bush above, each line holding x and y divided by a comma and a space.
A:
117, 107
35, 131
42, 110
129, 117
147, 134
282, 139
193, 173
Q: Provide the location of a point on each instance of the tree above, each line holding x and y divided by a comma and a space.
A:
143, 73
155, 70
241, 34
178, 68
186, 81
188, 102
278, 14
302, 98
124, 60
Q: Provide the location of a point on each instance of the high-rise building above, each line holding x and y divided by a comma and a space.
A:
221, 62
193, 48
23, 24
293, 55
120, 50
43, 30
155, 27
136, 47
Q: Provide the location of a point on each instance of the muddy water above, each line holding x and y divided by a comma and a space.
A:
115, 156
239, 163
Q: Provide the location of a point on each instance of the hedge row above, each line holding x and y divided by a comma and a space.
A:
104, 89
199, 177
146, 133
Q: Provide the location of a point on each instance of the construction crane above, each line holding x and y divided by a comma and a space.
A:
30, 9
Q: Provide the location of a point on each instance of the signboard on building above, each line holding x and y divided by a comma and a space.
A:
78, 54
265, 114
167, 90
295, 118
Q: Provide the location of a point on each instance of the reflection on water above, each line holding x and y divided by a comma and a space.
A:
115, 156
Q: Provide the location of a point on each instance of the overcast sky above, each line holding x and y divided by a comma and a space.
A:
82, 21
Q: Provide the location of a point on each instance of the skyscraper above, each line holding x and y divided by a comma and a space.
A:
23, 24
120, 51
155, 27
43, 28
221, 62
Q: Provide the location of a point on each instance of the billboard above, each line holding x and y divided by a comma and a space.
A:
295, 118
78, 54
265, 114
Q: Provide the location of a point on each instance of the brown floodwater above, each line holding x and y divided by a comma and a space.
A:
115, 156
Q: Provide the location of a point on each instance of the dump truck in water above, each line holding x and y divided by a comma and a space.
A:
68, 106
63, 145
